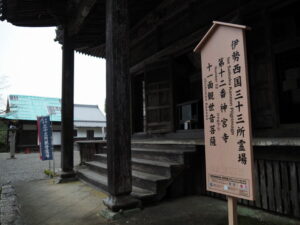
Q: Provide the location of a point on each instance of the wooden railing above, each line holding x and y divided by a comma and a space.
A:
89, 148
277, 180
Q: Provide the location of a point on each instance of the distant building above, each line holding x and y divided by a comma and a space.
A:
22, 111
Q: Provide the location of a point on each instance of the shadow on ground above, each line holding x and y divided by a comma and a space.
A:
47, 203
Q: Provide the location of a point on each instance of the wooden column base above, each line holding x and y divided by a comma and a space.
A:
124, 202
65, 177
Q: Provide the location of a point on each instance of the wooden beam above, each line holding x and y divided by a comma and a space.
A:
182, 45
156, 18
82, 11
118, 107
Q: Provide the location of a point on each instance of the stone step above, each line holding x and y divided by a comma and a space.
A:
154, 145
147, 165
164, 155
140, 179
101, 158
148, 181
100, 181
97, 166
154, 166
94, 178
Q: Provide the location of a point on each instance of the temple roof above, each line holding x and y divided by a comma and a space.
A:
23, 107
33, 13
86, 19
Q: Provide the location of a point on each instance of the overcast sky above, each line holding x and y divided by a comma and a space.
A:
30, 64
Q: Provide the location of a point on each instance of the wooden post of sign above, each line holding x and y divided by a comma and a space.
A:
232, 210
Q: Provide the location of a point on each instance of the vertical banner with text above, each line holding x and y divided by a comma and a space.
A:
227, 122
45, 137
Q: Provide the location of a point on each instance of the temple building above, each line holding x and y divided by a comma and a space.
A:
155, 140
22, 112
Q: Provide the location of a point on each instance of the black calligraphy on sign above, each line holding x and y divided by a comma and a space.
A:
235, 56
210, 85
221, 72
209, 66
210, 96
237, 81
212, 141
212, 118
223, 107
212, 129
240, 131
239, 98
221, 62
242, 158
236, 69
222, 83
234, 43
223, 93
239, 118
211, 107
239, 106
224, 122
225, 137
241, 144
238, 94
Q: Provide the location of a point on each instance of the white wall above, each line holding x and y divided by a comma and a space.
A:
98, 132
56, 138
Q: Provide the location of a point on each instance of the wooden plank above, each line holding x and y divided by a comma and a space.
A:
298, 169
294, 194
159, 90
277, 187
158, 107
257, 186
263, 184
159, 113
285, 188
159, 123
203, 174
270, 187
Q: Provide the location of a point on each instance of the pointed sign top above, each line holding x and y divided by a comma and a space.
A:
213, 28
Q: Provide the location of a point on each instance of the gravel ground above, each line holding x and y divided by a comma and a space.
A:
27, 167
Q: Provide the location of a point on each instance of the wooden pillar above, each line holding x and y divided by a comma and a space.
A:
118, 107
67, 109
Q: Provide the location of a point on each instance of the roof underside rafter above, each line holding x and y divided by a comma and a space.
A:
86, 18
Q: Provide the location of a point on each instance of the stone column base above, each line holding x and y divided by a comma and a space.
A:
122, 202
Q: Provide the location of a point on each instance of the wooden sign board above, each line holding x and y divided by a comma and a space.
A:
227, 122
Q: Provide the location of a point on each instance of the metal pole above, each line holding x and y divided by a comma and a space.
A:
53, 155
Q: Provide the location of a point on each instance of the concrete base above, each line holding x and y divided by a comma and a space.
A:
122, 202
65, 177
110, 215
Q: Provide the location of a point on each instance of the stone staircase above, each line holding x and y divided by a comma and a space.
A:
154, 169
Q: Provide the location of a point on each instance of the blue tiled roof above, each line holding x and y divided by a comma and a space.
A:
22, 107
